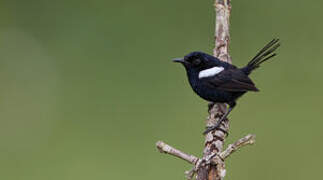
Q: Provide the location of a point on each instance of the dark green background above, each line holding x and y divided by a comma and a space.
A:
88, 87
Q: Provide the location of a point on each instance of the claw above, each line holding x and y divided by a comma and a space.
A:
211, 128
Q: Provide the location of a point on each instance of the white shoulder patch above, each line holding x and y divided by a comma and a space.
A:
210, 72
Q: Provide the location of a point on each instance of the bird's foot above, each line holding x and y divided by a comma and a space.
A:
211, 128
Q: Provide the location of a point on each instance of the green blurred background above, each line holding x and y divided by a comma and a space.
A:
88, 87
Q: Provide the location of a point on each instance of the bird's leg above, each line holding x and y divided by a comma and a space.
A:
218, 123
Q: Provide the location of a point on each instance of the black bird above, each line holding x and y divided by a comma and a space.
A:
218, 81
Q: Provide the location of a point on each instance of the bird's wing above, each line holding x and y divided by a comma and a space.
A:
233, 80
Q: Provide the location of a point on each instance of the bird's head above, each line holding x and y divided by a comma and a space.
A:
198, 61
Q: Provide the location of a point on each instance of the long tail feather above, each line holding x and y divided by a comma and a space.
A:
263, 55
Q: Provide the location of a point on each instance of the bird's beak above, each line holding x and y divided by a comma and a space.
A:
178, 60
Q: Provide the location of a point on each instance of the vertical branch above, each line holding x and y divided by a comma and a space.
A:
214, 140
222, 34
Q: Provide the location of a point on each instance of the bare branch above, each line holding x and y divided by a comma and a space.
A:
214, 140
247, 140
222, 34
165, 148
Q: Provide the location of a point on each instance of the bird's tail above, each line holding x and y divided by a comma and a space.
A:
263, 55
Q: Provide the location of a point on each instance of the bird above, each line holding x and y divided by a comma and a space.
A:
217, 81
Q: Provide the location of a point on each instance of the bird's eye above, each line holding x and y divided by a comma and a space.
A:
197, 62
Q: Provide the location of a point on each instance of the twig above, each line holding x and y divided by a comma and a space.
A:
247, 140
190, 174
165, 148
